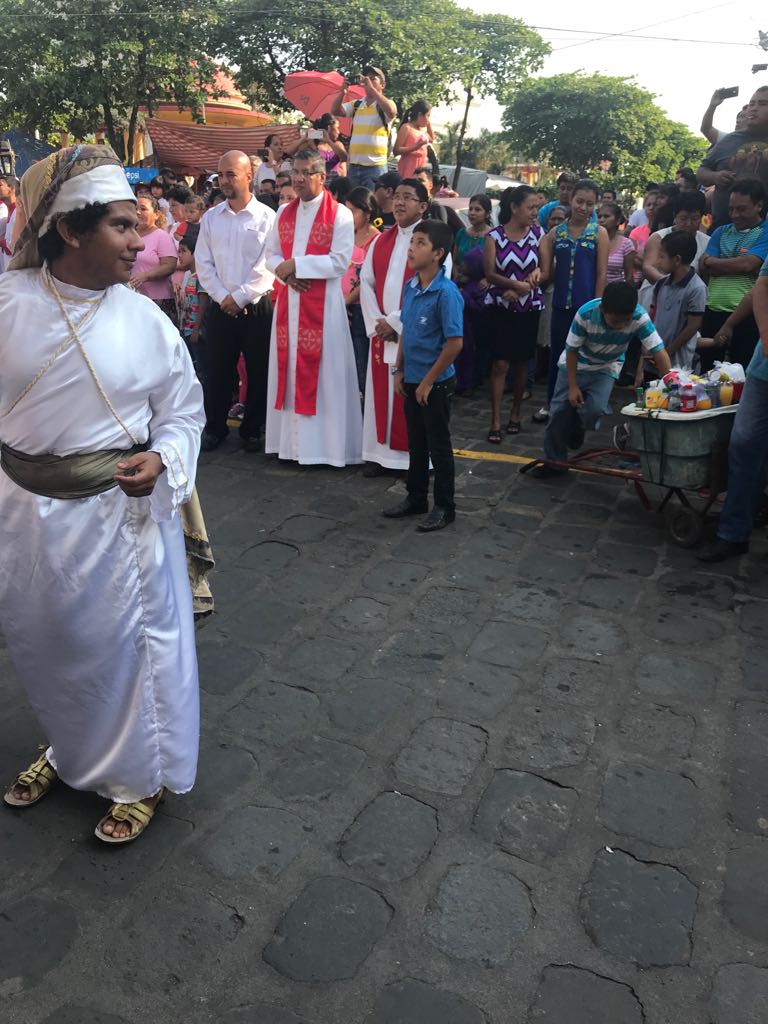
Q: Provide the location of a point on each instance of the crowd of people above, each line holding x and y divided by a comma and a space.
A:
332, 307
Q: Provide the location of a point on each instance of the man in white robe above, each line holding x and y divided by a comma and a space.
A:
100, 421
313, 404
381, 310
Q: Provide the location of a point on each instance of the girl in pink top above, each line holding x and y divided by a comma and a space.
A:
157, 261
412, 140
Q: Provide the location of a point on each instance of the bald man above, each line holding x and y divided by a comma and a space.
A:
230, 258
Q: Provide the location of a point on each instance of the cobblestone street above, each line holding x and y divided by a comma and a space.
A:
512, 773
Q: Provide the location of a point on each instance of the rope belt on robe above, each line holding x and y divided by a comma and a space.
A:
69, 477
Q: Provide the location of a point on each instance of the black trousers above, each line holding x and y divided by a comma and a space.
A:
226, 338
429, 436
741, 347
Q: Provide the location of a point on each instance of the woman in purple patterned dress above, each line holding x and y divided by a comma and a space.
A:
515, 300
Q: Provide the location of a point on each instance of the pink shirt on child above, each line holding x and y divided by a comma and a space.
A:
157, 244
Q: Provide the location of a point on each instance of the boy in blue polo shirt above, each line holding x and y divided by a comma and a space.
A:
433, 320
590, 364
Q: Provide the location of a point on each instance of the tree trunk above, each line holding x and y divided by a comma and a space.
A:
131, 154
460, 139
116, 140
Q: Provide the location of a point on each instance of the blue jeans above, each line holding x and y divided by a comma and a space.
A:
366, 176
747, 460
564, 419
560, 325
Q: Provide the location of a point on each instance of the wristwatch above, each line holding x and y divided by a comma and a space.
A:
396, 369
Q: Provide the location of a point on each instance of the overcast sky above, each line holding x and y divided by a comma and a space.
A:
682, 74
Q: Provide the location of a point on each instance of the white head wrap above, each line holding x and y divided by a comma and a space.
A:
106, 183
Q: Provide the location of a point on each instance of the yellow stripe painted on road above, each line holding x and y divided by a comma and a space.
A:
462, 453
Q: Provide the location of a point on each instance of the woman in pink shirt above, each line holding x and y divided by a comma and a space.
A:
157, 261
412, 140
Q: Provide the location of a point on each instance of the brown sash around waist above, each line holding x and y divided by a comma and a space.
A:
65, 476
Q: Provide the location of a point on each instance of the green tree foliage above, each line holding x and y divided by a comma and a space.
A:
490, 151
81, 67
600, 125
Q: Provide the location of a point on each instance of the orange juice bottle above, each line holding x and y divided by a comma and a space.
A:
726, 394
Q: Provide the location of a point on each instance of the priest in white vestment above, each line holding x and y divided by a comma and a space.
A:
313, 404
384, 273
100, 422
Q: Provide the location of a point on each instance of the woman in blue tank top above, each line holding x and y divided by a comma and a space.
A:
574, 255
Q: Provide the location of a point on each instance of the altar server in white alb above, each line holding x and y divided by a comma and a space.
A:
313, 403
100, 421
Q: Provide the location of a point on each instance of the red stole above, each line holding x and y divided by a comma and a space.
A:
311, 308
380, 371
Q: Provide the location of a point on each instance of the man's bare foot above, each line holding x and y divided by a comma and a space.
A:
122, 829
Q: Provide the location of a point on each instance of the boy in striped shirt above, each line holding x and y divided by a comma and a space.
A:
594, 353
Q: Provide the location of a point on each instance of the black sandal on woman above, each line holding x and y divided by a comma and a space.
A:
514, 427
494, 437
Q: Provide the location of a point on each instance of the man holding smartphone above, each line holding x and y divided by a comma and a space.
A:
371, 118
741, 154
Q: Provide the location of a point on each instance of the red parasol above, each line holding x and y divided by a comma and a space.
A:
313, 93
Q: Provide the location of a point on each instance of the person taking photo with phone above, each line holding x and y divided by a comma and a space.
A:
371, 118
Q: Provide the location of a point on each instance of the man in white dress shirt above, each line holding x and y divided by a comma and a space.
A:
313, 404
385, 441
230, 260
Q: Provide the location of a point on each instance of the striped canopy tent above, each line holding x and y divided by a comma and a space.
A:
195, 148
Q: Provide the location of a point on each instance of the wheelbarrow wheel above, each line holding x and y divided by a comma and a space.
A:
685, 526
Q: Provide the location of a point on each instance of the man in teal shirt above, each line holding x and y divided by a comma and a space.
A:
748, 449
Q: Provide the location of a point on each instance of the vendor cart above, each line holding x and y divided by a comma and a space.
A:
686, 454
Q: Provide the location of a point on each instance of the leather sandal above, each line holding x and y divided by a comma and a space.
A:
38, 778
138, 815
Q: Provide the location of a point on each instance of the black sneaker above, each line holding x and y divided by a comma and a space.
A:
720, 550
405, 508
437, 519
210, 441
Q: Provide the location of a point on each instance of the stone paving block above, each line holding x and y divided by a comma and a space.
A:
740, 995
633, 560
639, 911
224, 664
315, 767
262, 621
411, 654
390, 838
675, 678
505, 643
444, 608
569, 995
510, 541
270, 712
516, 521
581, 512
147, 951
479, 914
611, 593
553, 567
590, 636
339, 551
329, 931
658, 807
656, 731
671, 625
223, 768
699, 589
268, 556
36, 934
416, 1002
754, 618
525, 815
474, 686
441, 755
528, 603
321, 659
366, 704
260, 1014
573, 681
92, 869
745, 896
361, 615
410, 546
754, 668
576, 539
76, 1014
491, 567
304, 529
253, 842
748, 771
550, 736
393, 576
